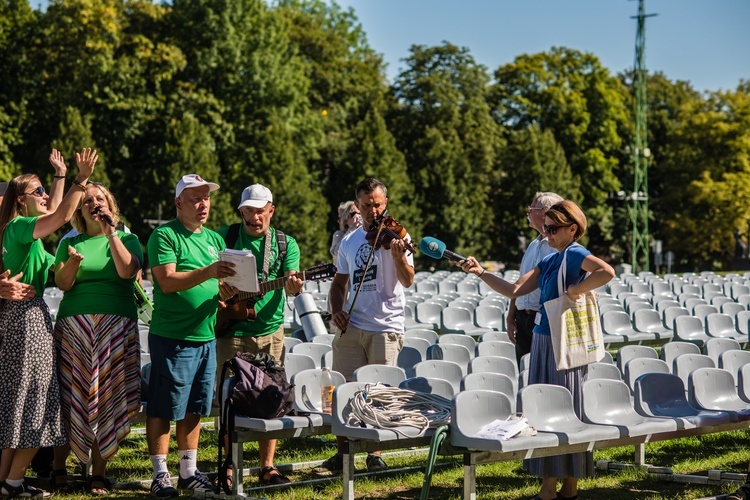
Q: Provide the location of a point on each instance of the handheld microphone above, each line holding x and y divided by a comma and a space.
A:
433, 247
107, 218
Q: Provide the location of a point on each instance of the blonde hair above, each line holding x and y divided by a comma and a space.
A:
567, 213
79, 223
345, 208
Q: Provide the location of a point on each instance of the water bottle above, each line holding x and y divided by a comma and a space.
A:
326, 391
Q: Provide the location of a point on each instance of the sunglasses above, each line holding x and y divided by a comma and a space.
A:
38, 192
353, 214
529, 209
552, 229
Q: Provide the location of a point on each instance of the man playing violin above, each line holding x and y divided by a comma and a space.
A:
372, 330
263, 332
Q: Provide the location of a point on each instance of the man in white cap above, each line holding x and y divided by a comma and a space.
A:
276, 255
185, 264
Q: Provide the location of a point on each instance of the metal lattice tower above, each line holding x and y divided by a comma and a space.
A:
638, 200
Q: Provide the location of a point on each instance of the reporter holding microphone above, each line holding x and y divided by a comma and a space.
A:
564, 224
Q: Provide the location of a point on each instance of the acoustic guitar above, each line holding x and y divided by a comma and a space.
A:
241, 307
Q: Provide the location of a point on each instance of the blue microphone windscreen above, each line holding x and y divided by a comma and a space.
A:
432, 247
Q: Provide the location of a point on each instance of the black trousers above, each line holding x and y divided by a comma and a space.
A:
524, 332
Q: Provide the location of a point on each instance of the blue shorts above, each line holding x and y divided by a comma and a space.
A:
182, 378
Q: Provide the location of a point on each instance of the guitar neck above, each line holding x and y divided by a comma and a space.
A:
268, 286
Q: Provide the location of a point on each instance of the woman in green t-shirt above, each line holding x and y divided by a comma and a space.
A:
97, 335
30, 414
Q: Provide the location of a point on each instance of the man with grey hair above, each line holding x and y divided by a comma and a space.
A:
523, 310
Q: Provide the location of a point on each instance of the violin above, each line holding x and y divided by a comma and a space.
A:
385, 231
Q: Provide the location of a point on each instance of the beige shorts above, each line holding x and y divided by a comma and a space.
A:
358, 348
227, 347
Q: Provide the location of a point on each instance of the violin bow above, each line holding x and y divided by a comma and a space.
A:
367, 266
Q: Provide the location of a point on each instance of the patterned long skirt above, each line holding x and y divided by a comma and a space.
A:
99, 372
29, 394
543, 370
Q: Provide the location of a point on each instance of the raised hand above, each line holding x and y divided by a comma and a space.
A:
73, 255
86, 161
57, 162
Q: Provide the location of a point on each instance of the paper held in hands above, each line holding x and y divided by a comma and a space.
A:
502, 429
246, 272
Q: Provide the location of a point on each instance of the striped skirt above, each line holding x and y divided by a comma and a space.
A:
99, 373
542, 370
29, 393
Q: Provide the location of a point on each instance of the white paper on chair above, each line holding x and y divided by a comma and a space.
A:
502, 429
246, 272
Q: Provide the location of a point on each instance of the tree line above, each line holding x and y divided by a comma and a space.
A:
291, 95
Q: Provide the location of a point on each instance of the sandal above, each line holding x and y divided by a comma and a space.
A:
96, 490
273, 479
58, 479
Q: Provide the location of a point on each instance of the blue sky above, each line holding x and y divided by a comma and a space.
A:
705, 42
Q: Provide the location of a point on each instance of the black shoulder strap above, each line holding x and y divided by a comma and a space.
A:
281, 243
232, 234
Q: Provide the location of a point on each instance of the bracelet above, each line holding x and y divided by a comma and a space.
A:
111, 235
80, 185
483, 271
59, 176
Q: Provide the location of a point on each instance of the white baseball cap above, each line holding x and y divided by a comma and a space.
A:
256, 196
191, 181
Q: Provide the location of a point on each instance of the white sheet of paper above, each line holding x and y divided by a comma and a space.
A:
246, 272
502, 429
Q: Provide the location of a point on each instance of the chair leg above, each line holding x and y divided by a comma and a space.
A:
640, 454
238, 463
348, 473
470, 482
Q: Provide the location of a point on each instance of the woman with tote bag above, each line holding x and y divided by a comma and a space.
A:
564, 224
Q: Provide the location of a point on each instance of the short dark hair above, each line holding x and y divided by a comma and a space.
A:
368, 186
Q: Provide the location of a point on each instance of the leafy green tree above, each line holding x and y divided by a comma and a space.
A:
570, 93
443, 126
533, 161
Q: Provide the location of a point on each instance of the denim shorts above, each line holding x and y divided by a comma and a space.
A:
182, 378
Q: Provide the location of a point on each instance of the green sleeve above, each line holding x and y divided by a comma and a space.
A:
132, 244
161, 248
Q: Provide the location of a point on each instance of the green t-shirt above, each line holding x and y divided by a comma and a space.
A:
191, 314
270, 308
98, 288
23, 254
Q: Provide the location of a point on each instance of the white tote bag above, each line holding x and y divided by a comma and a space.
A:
574, 325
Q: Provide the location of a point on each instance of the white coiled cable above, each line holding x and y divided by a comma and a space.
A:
386, 407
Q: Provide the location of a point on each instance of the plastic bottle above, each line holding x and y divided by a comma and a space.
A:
326, 391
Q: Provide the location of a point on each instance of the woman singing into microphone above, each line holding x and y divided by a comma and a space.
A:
97, 334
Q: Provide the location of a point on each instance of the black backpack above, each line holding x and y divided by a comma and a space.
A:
261, 391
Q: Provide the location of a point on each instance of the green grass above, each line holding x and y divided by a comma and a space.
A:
727, 451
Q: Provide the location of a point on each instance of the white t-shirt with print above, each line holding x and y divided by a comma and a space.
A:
380, 305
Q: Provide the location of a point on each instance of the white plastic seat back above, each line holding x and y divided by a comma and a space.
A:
671, 350
315, 351
689, 328
713, 389
703, 310
743, 322
489, 336
663, 305
714, 348
628, 352
385, 374
429, 314
294, 363
549, 408
603, 371
430, 336
683, 365
526, 359
491, 382
607, 402
743, 382
497, 348
732, 308
490, 316
721, 325
732, 361
451, 352
418, 343
495, 364
459, 339
307, 388
641, 366
438, 368
324, 339
290, 342
671, 314
429, 385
